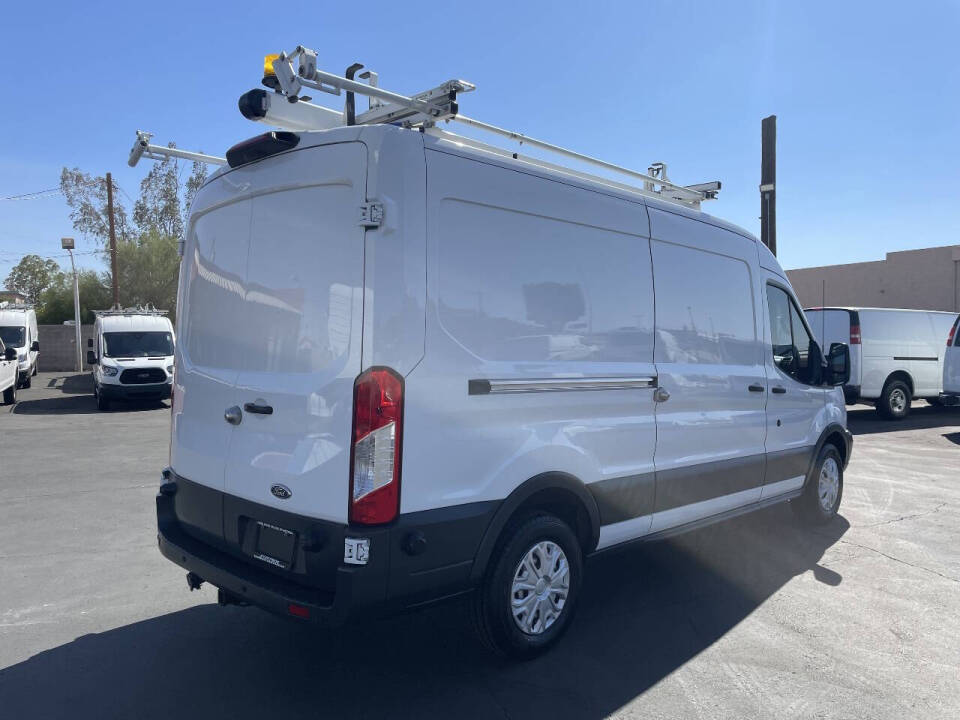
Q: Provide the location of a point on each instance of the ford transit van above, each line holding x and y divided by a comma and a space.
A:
131, 352
409, 370
18, 329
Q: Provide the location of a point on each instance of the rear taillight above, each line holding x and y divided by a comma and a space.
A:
377, 441
854, 334
953, 331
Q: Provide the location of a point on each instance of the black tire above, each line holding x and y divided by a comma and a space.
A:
28, 381
894, 402
103, 404
491, 604
808, 507
10, 394
35, 369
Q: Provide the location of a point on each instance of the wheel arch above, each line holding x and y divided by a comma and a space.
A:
558, 492
899, 375
837, 435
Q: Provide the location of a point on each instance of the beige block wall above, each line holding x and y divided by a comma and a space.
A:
927, 279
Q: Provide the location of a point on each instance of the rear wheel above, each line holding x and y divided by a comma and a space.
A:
894, 402
821, 496
27, 382
10, 394
530, 591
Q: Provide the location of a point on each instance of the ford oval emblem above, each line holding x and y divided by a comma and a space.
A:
281, 491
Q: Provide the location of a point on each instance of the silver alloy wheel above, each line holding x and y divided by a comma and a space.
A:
898, 400
540, 587
828, 487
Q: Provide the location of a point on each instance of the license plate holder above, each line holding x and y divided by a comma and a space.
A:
275, 545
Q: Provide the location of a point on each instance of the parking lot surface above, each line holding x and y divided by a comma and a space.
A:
755, 617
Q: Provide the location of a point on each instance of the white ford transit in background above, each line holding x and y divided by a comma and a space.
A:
8, 373
18, 329
951, 365
408, 369
895, 355
132, 355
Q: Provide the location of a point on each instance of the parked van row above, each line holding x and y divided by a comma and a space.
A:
18, 330
896, 356
508, 370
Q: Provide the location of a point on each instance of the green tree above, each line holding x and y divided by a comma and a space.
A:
56, 302
147, 260
31, 276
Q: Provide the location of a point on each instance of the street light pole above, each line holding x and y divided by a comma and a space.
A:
68, 244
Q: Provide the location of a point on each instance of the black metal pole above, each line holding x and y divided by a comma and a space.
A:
768, 183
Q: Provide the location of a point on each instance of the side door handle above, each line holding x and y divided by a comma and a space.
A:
258, 409
755, 388
778, 389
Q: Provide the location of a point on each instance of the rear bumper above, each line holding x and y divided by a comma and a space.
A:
158, 391
419, 558
950, 398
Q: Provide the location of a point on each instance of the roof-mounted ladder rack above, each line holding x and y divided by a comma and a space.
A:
143, 148
137, 310
424, 110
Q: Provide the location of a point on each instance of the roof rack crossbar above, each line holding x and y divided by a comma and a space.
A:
134, 310
142, 147
424, 110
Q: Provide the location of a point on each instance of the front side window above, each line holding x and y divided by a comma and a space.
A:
13, 336
137, 344
793, 347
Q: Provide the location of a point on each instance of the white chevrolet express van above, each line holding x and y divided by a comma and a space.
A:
132, 356
896, 356
18, 329
408, 370
951, 365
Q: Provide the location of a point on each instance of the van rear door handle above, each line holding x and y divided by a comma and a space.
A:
756, 388
258, 409
778, 389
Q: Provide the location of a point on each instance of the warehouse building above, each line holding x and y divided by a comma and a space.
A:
927, 279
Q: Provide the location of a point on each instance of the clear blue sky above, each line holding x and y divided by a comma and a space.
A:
867, 97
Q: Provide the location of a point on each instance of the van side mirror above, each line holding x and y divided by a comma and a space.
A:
10, 353
89, 342
837, 371
35, 347
91, 357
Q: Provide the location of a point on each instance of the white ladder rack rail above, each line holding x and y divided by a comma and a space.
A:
148, 310
142, 147
8, 305
424, 110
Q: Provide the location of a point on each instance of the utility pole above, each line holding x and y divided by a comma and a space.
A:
68, 244
768, 182
113, 243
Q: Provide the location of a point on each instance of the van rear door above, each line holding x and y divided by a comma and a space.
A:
302, 310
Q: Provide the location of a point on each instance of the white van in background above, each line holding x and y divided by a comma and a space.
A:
409, 369
18, 329
896, 356
8, 373
132, 355
951, 365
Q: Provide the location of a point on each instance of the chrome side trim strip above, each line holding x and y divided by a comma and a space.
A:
490, 387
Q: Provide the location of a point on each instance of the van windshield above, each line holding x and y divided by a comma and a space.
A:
13, 336
137, 344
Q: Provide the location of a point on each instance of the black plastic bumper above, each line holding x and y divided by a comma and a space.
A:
158, 391
851, 394
950, 398
419, 558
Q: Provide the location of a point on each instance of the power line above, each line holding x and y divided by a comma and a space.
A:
32, 195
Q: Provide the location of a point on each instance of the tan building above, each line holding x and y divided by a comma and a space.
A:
12, 296
927, 279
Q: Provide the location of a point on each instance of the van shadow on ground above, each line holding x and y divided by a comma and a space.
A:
867, 421
646, 611
75, 397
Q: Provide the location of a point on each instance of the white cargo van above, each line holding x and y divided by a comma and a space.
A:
8, 373
896, 356
951, 365
410, 369
18, 329
132, 355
